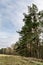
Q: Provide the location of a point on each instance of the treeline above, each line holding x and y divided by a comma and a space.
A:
23, 50
9, 50
30, 43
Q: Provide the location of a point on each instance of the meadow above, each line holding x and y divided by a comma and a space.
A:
19, 60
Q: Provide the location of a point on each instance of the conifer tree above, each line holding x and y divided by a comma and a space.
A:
29, 41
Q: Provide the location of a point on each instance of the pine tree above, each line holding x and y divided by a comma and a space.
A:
29, 41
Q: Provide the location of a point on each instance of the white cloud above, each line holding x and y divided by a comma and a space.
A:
6, 39
12, 10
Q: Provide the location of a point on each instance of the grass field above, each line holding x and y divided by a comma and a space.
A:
18, 60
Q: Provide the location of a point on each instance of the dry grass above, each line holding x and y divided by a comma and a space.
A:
18, 60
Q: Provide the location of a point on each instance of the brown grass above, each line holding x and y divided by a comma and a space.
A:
18, 60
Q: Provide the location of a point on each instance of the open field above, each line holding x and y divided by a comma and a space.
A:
18, 60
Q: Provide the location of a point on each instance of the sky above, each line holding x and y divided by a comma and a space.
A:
11, 19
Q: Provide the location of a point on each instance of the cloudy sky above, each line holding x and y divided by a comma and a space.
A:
11, 15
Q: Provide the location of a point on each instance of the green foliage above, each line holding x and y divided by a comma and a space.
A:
30, 33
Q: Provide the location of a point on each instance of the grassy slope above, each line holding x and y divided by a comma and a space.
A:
18, 60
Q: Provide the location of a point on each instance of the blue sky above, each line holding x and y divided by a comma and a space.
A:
11, 15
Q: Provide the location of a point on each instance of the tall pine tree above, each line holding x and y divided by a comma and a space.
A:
29, 41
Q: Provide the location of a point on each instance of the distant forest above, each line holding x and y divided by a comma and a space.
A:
30, 43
